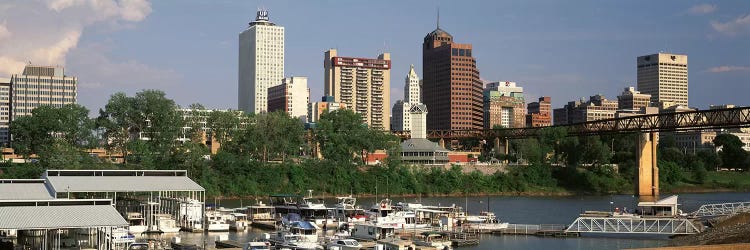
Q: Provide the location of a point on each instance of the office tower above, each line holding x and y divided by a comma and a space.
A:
596, 108
4, 112
539, 112
401, 110
292, 97
362, 84
451, 86
37, 86
631, 99
504, 105
316, 109
261, 63
664, 77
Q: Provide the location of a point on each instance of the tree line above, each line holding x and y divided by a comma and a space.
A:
272, 152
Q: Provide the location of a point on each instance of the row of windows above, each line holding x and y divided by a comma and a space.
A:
44, 80
461, 52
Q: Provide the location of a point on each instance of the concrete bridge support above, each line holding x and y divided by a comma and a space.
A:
648, 171
501, 145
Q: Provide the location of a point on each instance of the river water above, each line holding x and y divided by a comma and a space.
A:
525, 210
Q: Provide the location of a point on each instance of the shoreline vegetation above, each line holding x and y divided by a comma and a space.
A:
269, 153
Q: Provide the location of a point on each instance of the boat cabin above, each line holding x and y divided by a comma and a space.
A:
372, 232
666, 207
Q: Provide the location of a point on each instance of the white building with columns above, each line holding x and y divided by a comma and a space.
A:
261, 63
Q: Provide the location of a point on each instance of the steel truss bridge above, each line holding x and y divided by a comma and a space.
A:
721, 209
634, 225
678, 121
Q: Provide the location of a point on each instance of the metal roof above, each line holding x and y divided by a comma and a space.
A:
21, 189
61, 184
59, 215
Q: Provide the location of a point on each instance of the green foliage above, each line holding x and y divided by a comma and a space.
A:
731, 153
273, 136
344, 138
669, 173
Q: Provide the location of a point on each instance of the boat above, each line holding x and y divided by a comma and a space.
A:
382, 208
370, 231
215, 222
166, 224
484, 221
261, 215
135, 222
395, 244
285, 203
344, 244
346, 210
121, 236
401, 220
437, 240
191, 214
297, 235
237, 221
315, 211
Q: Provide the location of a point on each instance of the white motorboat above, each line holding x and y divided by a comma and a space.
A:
401, 220
382, 208
237, 221
347, 211
136, 223
484, 221
166, 224
370, 231
216, 222
121, 236
344, 244
315, 211
297, 235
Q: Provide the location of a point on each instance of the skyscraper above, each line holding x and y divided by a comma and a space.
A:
664, 77
401, 110
504, 105
362, 84
261, 63
36, 86
291, 96
451, 87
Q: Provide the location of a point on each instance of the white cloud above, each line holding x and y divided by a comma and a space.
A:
44, 32
4, 32
702, 9
728, 68
734, 27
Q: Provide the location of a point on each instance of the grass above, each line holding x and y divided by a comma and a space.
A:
729, 179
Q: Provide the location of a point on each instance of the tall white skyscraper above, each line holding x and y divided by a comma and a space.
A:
261, 63
665, 77
401, 110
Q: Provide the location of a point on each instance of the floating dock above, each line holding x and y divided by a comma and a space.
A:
545, 230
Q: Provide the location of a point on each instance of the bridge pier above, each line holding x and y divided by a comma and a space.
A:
648, 171
502, 148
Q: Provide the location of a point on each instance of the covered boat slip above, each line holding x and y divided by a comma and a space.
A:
51, 223
24, 189
152, 193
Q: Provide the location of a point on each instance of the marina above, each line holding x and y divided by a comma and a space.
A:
168, 218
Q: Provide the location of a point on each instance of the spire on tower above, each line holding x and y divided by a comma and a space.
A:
438, 17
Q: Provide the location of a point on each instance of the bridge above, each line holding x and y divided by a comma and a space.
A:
646, 126
633, 225
721, 209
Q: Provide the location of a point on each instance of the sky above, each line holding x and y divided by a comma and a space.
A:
563, 49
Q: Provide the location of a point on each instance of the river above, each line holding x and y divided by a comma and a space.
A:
527, 210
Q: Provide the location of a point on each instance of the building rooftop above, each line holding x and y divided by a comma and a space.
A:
120, 181
24, 189
29, 214
421, 145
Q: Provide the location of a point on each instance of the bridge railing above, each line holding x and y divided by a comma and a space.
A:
669, 226
721, 209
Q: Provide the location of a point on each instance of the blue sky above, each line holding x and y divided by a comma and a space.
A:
563, 49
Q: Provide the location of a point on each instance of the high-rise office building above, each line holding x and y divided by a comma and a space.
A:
4, 111
362, 84
631, 99
451, 86
401, 110
539, 113
292, 97
664, 77
504, 105
261, 63
36, 86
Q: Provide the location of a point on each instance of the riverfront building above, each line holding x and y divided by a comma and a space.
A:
596, 108
4, 112
412, 96
362, 84
292, 97
451, 86
665, 77
417, 149
261, 63
504, 105
539, 112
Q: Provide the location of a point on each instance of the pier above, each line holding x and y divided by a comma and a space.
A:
549, 230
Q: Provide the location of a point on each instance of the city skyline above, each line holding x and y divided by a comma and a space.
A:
550, 48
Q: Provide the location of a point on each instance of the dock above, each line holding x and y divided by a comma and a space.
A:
228, 244
544, 230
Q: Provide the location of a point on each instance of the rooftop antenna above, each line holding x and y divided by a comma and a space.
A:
438, 17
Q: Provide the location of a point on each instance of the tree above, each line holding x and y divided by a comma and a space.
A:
731, 153
48, 125
272, 136
342, 135
224, 125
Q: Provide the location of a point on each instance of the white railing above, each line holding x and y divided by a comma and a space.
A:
668, 226
721, 209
